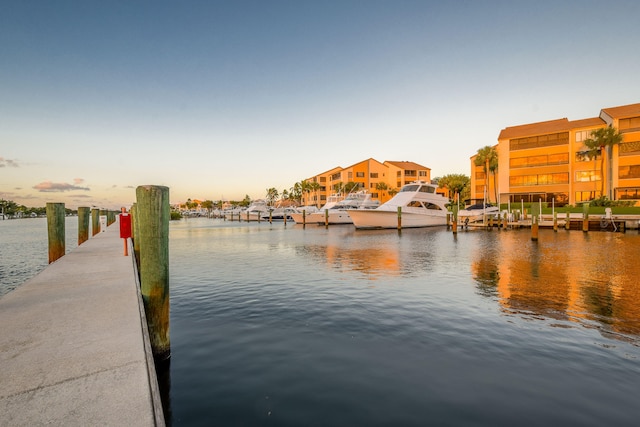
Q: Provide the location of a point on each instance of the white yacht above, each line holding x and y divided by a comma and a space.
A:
255, 211
297, 216
339, 213
419, 205
313, 217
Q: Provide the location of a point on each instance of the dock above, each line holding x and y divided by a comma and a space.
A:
74, 346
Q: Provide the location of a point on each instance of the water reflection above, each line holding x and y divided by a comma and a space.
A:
589, 278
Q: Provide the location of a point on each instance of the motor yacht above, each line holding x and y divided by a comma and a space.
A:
419, 205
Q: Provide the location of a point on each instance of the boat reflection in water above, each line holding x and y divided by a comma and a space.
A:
563, 278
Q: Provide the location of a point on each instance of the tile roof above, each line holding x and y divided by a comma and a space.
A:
594, 121
407, 165
533, 129
623, 111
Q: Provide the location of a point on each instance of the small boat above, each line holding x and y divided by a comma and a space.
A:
477, 212
419, 205
339, 213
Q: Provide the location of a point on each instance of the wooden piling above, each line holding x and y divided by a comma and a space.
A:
326, 217
55, 228
505, 221
84, 214
534, 227
135, 231
153, 214
585, 217
95, 221
555, 221
567, 224
304, 217
454, 226
399, 217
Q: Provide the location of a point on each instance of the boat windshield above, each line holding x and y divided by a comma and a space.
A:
422, 188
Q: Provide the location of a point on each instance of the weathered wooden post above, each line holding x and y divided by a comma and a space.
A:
555, 221
153, 215
534, 226
585, 216
304, 217
567, 224
135, 231
399, 217
326, 217
454, 226
95, 221
83, 224
505, 221
55, 228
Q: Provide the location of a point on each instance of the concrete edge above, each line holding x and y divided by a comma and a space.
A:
156, 401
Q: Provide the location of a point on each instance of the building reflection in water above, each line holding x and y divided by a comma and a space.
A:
591, 279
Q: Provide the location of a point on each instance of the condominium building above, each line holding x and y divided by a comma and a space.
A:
548, 161
381, 179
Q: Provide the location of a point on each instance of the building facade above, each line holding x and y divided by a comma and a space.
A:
381, 179
549, 161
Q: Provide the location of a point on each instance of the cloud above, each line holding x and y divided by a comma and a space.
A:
8, 163
55, 187
78, 180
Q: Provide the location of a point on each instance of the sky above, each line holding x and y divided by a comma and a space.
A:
222, 99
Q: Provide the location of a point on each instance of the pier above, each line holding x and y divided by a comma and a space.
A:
74, 346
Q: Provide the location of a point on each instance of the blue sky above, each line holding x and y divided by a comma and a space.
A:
219, 99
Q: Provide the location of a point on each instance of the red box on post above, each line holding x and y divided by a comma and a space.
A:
125, 225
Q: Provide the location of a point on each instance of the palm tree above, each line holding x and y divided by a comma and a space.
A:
487, 157
272, 195
602, 140
382, 187
455, 183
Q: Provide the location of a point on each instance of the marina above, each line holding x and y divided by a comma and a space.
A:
285, 324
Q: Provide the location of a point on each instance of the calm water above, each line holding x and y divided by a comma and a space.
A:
280, 326
24, 250
315, 327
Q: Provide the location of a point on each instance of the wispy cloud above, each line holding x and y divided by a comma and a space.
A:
57, 187
78, 180
8, 163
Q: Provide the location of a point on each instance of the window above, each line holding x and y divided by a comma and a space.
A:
583, 134
480, 175
409, 173
414, 204
399, 174
373, 175
541, 160
359, 174
539, 141
629, 193
630, 124
585, 196
422, 173
587, 176
540, 179
374, 195
336, 176
629, 172
584, 156
432, 206
350, 175
323, 179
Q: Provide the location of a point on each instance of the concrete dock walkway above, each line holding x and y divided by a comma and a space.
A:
72, 344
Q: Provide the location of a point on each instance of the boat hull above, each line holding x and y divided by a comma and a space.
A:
367, 219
